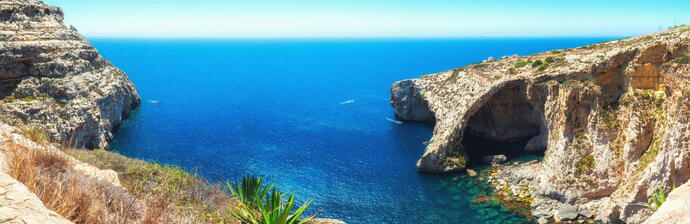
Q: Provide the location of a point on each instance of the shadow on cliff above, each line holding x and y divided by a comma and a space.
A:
478, 147
509, 123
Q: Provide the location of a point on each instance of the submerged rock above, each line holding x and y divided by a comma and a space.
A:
495, 159
471, 173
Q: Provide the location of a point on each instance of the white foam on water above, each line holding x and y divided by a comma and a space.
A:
346, 102
394, 121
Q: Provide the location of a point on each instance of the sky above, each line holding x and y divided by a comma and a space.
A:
371, 18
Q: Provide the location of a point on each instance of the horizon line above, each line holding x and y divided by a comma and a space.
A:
353, 37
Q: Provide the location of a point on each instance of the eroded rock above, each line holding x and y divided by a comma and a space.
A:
612, 118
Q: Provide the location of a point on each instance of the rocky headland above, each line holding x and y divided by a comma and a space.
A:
56, 91
52, 79
611, 119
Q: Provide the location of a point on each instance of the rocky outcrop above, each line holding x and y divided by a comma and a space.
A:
612, 118
19, 206
325, 221
52, 79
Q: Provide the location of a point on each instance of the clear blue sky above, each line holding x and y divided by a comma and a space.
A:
370, 18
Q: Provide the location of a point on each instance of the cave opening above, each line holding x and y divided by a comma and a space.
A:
8, 86
507, 124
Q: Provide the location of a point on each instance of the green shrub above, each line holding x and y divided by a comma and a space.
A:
257, 206
549, 59
585, 164
589, 47
682, 60
537, 63
543, 67
28, 99
520, 64
9, 99
555, 52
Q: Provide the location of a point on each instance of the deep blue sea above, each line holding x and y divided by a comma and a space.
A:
313, 115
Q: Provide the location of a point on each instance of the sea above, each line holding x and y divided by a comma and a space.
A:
311, 115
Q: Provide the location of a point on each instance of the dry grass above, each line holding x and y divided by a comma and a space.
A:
191, 198
75, 196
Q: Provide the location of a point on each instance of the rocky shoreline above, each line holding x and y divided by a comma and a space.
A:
612, 120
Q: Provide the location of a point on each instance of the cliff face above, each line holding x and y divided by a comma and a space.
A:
52, 79
612, 119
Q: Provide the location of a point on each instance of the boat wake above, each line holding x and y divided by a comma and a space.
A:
346, 102
394, 121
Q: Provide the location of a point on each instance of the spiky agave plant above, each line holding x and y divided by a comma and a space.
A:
657, 198
276, 211
250, 191
265, 208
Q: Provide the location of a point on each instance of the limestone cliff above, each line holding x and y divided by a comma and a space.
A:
612, 118
52, 79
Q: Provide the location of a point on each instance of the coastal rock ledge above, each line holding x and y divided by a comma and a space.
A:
611, 119
53, 80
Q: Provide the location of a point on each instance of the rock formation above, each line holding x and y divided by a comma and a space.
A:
611, 117
52, 79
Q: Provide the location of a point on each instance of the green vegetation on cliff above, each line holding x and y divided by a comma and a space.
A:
188, 196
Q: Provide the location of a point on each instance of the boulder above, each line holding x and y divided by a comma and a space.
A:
471, 173
495, 159
326, 221
565, 213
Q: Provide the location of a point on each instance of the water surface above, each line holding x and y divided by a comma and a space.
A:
311, 115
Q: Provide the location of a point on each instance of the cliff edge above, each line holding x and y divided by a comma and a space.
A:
52, 79
611, 119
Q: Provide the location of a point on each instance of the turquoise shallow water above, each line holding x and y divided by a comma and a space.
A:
311, 115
